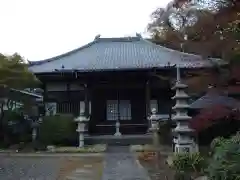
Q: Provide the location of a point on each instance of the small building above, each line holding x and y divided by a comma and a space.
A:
216, 114
13, 98
113, 79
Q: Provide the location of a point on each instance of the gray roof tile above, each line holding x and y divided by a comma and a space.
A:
213, 99
119, 54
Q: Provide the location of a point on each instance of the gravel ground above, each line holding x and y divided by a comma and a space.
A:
50, 168
29, 168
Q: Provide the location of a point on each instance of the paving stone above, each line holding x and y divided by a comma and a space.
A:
120, 164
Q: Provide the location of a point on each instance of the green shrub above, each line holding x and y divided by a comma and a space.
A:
16, 128
217, 142
236, 138
97, 148
58, 129
225, 162
165, 132
188, 163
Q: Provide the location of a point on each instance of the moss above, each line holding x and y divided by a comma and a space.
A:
141, 148
88, 149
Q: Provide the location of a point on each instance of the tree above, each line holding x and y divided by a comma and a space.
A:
212, 27
212, 23
14, 74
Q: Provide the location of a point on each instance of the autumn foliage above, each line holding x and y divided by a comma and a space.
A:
212, 29
214, 34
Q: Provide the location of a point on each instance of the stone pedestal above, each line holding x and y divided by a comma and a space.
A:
81, 121
117, 127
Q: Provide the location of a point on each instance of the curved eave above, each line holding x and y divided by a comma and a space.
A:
68, 71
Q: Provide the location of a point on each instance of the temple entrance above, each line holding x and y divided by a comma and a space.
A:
118, 110
118, 104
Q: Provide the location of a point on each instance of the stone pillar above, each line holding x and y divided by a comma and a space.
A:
183, 133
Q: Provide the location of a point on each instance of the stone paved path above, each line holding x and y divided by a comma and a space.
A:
120, 164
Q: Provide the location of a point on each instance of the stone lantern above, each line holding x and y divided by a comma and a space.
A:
154, 123
35, 119
81, 122
183, 140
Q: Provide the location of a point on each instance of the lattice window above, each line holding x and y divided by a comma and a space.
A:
154, 104
124, 110
112, 110
68, 107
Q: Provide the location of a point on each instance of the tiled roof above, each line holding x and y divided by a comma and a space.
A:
215, 99
119, 54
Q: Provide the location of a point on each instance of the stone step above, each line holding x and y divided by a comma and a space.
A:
78, 178
80, 174
87, 166
119, 141
84, 171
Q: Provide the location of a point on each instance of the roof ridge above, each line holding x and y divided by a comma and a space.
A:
120, 39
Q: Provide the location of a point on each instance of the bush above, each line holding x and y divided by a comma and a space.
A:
225, 160
165, 132
58, 130
16, 128
188, 162
217, 142
98, 148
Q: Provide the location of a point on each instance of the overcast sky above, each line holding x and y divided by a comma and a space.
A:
39, 29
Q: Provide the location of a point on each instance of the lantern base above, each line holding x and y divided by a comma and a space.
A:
190, 148
118, 134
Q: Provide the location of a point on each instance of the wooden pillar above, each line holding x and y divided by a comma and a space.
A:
68, 90
86, 100
148, 97
44, 87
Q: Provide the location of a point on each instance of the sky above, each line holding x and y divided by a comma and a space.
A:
40, 29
